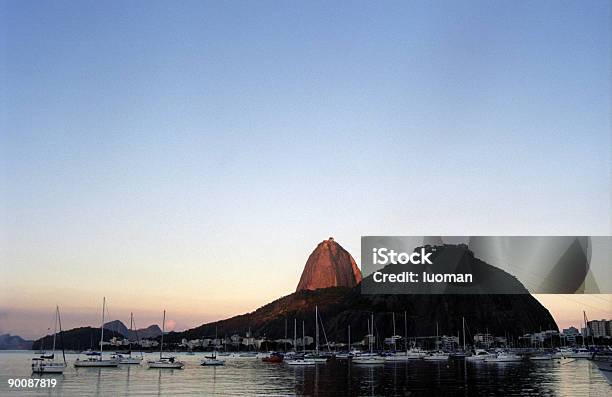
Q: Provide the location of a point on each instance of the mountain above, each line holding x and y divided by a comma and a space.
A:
88, 337
152, 331
343, 306
118, 326
76, 339
329, 265
14, 342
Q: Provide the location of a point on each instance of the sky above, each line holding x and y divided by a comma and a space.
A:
189, 156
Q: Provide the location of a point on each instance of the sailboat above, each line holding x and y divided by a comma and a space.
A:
400, 356
438, 355
371, 357
301, 359
503, 357
165, 362
45, 364
461, 353
98, 360
212, 360
128, 359
317, 357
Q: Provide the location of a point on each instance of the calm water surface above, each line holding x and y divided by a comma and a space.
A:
252, 377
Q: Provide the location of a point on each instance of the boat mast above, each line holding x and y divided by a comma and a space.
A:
349, 339
303, 337
161, 345
437, 344
215, 343
59, 320
295, 334
371, 333
317, 329
54, 331
463, 333
394, 345
129, 337
285, 335
102, 327
406, 332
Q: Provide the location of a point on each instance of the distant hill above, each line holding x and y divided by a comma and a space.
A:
82, 338
341, 306
88, 337
152, 331
14, 342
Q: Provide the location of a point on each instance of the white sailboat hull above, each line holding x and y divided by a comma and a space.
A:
436, 357
368, 360
480, 357
507, 359
48, 368
212, 362
397, 358
130, 360
165, 364
301, 362
96, 363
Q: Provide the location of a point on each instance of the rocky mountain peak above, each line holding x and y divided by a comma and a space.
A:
329, 265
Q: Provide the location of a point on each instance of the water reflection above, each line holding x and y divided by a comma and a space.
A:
248, 377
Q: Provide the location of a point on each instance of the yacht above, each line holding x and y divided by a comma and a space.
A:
123, 359
211, 361
399, 356
561, 353
436, 356
317, 356
582, 352
274, 358
368, 358
98, 360
165, 362
503, 357
46, 364
480, 355
371, 357
301, 361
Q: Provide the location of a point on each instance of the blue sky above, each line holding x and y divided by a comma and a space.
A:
188, 146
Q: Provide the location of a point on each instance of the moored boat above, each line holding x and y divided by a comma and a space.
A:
273, 358
301, 361
581, 352
368, 359
46, 364
121, 359
503, 357
212, 361
97, 360
480, 355
436, 356
165, 362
